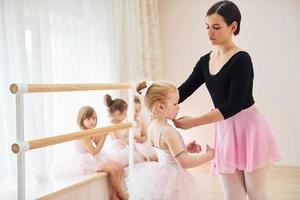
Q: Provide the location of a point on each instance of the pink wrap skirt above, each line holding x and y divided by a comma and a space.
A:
243, 142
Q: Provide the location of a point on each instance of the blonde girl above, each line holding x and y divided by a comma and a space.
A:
167, 178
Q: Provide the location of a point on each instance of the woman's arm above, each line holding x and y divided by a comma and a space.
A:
175, 144
189, 122
194, 81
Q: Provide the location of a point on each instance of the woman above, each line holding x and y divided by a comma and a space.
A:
244, 144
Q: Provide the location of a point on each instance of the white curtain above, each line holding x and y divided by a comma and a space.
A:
150, 44
61, 41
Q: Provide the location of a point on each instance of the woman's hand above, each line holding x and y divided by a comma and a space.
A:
193, 147
184, 122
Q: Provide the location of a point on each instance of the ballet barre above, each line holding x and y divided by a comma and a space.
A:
35, 88
47, 141
21, 146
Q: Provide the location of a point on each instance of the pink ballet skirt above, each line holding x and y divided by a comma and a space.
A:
120, 153
244, 142
119, 150
163, 180
90, 163
78, 161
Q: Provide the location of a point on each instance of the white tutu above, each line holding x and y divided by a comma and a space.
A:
162, 181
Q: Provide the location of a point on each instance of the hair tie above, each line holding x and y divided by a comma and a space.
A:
145, 90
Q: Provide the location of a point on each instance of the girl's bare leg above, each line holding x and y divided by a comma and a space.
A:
114, 195
116, 172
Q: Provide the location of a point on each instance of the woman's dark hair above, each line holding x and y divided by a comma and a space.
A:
229, 11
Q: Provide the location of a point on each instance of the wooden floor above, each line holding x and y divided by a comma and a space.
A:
284, 183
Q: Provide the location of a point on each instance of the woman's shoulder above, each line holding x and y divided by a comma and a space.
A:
241, 61
205, 57
244, 58
203, 61
242, 54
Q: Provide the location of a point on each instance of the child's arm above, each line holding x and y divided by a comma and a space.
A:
143, 137
144, 133
175, 143
89, 145
100, 139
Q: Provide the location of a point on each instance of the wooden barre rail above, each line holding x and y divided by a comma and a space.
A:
34, 88
47, 141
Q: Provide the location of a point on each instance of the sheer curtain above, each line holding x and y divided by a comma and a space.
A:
150, 43
61, 41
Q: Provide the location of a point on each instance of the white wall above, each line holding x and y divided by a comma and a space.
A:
270, 32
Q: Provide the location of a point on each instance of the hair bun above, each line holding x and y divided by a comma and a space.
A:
108, 100
141, 86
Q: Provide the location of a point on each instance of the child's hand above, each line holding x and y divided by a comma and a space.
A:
139, 139
96, 138
193, 147
210, 152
